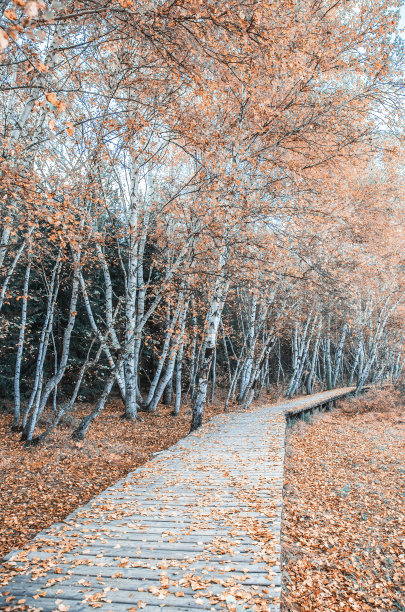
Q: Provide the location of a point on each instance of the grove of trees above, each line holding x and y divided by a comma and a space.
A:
198, 197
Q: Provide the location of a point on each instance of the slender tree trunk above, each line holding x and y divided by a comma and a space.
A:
109, 315
301, 352
12, 268
213, 375
228, 363
328, 358
311, 375
170, 325
67, 407
248, 363
179, 365
193, 359
234, 379
81, 430
102, 339
213, 319
4, 242
339, 354
130, 371
53, 291
168, 376
164, 381
20, 350
55, 380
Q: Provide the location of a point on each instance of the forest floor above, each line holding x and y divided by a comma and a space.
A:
40, 486
344, 511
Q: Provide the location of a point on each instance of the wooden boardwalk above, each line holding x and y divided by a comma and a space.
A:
198, 527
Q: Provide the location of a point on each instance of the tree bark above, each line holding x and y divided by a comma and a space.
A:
20, 350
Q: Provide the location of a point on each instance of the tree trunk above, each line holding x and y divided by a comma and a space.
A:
213, 319
55, 380
81, 430
20, 349
53, 291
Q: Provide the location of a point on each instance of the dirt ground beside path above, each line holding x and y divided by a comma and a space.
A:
344, 512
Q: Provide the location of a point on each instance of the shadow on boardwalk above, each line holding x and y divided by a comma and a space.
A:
196, 528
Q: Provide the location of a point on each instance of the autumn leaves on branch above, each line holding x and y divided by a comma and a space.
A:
197, 195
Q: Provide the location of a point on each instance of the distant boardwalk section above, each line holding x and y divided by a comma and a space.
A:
196, 528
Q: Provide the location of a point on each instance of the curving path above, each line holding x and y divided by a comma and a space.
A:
198, 527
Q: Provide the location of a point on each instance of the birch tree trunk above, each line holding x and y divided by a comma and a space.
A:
67, 407
178, 380
20, 350
248, 363
213, 375
109, 316
102, 339
12, 268
4, 242
338, 357
57, 377
300, 351
130, 372
53, 291
328, 358
81, 430
213, 320
315, 356
171, 324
